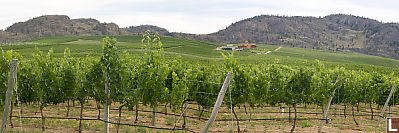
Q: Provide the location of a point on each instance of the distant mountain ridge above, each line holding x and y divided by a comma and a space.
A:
338, 32
62, 25
143, 28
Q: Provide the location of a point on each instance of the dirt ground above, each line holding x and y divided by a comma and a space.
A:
277, 120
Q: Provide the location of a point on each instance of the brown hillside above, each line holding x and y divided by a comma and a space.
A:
61, 25
137, 30
334, 32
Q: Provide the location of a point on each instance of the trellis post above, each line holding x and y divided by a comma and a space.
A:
218, 103
327, 107
386, 103
106, 106
8, 100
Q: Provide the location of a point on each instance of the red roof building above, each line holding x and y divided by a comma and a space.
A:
247, 45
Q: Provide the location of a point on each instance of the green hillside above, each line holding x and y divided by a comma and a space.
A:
203, 52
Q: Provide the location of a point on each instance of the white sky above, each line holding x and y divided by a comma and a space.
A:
191, 16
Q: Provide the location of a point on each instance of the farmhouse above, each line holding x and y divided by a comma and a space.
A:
240, 46
228, 47
247, 45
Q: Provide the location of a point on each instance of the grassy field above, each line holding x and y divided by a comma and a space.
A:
82, 46
205, 53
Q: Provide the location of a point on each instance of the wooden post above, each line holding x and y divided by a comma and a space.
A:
335, 111
328, 106
386, 103
326, 111
218, 103
81, 115
154, 111
184, 114
106, 107
8, 100
289, 114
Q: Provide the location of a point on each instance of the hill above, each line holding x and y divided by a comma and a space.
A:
57, 25
137, 30
337, 32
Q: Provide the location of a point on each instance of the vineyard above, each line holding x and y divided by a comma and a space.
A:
159, 95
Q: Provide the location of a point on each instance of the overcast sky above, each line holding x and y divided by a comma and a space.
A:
191, 16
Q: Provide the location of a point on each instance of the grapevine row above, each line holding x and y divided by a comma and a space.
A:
152, 80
